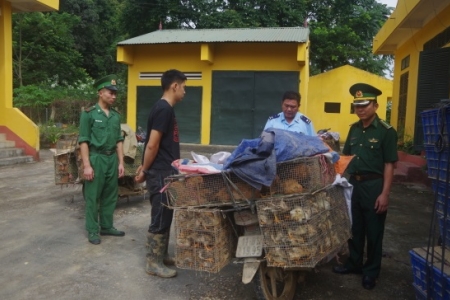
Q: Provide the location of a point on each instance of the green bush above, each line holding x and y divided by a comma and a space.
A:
51, 133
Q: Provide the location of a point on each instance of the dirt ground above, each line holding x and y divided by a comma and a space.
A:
44, 252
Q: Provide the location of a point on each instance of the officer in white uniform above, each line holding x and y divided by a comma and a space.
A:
290, 119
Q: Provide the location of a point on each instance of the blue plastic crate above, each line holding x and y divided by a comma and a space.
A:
420, 294
445, 235
439, 281
440, 190
434, 121
437, 163
418, 264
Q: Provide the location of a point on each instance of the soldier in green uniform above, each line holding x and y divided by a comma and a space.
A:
100, 141
373, 142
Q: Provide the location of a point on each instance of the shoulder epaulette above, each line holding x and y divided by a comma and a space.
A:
89, 108
115, 110
305, 119
385, 124
354, 123
274, 116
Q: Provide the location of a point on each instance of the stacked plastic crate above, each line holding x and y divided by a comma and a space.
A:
431, 264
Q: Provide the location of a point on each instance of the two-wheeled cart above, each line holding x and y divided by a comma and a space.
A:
278, 234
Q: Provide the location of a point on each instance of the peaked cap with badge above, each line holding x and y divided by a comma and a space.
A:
363, 93
108, 82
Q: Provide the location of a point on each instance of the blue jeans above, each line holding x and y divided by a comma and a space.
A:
161, 215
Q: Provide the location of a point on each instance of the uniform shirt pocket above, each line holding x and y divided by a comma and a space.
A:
372, 150
99, 130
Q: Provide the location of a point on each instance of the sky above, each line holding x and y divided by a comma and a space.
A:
390, 3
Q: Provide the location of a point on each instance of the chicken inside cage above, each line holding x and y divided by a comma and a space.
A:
203, 239
300, 230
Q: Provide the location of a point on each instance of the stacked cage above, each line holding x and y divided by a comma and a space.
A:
430, 268
65, 160
300, 230
205, 244
204, 240
300, 175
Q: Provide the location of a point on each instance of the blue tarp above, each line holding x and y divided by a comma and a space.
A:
254, 161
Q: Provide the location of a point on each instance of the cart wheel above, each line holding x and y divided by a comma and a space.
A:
272, 283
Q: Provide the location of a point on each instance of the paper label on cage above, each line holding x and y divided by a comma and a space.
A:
249, 246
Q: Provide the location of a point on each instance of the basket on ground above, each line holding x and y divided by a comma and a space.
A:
204, 239
65, 161
301, 230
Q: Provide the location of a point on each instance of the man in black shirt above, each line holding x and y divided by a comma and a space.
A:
162, 147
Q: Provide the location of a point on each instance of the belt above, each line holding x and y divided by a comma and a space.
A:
364, 177
104, 152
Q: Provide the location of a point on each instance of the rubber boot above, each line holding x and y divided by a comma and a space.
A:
168, 260
156, 244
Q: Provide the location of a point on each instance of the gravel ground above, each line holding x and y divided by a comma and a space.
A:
44, 252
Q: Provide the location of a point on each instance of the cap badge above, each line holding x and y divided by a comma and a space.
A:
113, 82
358, 94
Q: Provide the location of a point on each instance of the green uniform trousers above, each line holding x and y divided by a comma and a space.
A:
102, 192
366, 224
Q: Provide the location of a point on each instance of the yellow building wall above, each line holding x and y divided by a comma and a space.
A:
333, 86
413, 47
17, 126
187, 58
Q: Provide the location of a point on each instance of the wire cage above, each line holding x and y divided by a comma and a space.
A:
303, 175
301, 230
65, 161
204, 239
293, 177
208, 189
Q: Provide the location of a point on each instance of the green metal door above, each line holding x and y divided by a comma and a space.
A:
242, 102
188, 111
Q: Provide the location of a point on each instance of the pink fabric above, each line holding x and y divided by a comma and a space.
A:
194, 168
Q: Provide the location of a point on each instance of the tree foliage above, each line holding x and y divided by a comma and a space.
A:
78, 42
97, 34
342, 32
44, 49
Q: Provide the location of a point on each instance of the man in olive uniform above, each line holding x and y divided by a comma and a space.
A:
101, 142
373, 142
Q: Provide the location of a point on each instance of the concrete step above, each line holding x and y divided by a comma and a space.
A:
7, 144
407, 171
7, 161
10, 152
2, 137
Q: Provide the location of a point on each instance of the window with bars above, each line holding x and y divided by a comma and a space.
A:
405, 63
403, 97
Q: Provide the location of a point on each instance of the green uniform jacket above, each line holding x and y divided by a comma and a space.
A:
372, 146
101, 132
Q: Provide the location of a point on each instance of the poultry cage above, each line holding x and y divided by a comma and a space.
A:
296, 176
204, 239
301, 230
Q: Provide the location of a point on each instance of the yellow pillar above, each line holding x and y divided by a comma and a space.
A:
5, 56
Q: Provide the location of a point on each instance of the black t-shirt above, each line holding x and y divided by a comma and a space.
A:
162, 118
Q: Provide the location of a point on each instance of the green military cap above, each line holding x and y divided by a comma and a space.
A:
107, 82
363, 93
